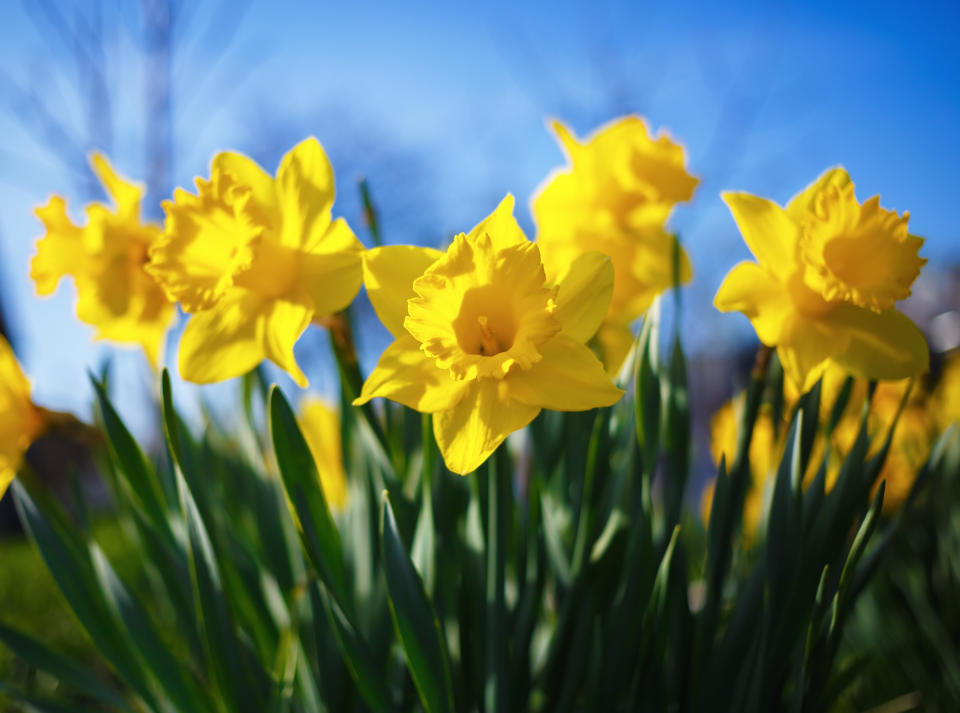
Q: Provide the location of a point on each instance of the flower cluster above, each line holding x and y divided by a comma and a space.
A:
496, 327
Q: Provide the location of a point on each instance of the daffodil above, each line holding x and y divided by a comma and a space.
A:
106, 259
321, 427
20, 421
483, 340
615, 196
766, 449
946, 402
255, 259
828, 273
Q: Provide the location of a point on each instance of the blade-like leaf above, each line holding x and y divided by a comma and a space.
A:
416, 623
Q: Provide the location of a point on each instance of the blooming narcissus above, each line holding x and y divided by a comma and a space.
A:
106, 259
829, 270
615, 196
483, 340
255, 259
20, 421
321, 429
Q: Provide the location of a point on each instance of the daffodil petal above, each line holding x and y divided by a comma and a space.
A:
614, 340
124, 192
285, 322
305, 192
406, 375
566, 138
224, 341
885, 345
805, 348
59, 252
568, 378
501, 226
470, 432
388, 275
801, 203
583, 295
249, 174
750, 289
333, 278
767, 230
6, 477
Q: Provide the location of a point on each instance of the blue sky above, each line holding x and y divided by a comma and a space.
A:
442, 108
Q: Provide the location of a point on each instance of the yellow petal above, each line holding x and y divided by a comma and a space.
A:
887, 345
470, 432
125, 193
60, 252
583, 295
767, 230
750, 289
332, 272
500, 225
224, 341
249, 174
566, 138
805, 347
568, 378
305, 192
614, 340
320, 424
285, 322
6, 477
388, 275
803, 202
406, 375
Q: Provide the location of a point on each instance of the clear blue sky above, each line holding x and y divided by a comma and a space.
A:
442, 107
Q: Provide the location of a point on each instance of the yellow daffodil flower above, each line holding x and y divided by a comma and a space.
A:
615, 196
766, 449
946, 400
255, 259
106, 260
321, 428
483, 340
829, 270
20, 421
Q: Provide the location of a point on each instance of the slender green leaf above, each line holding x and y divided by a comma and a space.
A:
416, 623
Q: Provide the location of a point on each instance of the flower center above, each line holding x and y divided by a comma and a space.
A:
273, 272
481, 312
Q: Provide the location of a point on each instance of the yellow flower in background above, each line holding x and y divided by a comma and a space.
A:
20, 421
828, 274
615, 196
320, 424
255, 259
766, 449
483, 341
106, 260
946, 401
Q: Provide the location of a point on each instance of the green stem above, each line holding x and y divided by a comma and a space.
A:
498, 484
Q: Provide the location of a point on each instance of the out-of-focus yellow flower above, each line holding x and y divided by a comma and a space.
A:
828, 274
255, 259
946, 401
106, 259
321, 427
615, 196
483, 341
912, 439
766, 448
20, 421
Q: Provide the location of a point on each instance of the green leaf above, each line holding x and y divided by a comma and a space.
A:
220, 637
318, 532
416, 623
63, 669
35, 704
140, 477
156, 655
72, 570
368, 676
